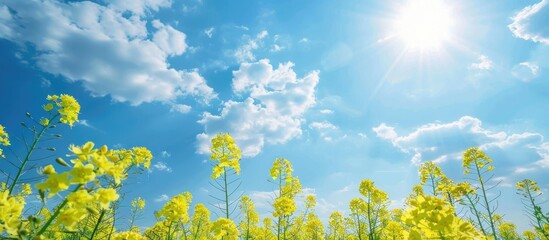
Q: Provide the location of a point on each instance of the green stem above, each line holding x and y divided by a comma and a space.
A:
97, 224
486, 201
536, 215
56, 213
477, 215
433, 184
27, 157
226, 193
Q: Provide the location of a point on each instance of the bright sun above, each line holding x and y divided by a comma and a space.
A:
424, 24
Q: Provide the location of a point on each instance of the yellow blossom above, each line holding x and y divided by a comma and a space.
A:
138, 203
128, 235
310, 201
177, 208
224, 151
55, 183
70, 217
69, 108
4, 140
284, 206
82, 173
105, 196
80, 198
10, 211
224, 229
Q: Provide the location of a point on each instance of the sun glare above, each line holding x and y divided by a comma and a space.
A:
424, 24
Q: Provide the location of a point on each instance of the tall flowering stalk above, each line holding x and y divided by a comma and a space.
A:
284, 204
63, 109
478, 164
226, 156
529, 191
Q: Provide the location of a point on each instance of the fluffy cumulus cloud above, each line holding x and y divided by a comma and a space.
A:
108, 48
445, 141
531, 23
274, 101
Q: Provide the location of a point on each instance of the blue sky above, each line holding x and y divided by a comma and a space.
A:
336, 87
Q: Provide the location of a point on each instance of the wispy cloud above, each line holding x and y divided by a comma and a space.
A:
526, 71
162, 166
245, 52
531, 23
209, 32
162, 198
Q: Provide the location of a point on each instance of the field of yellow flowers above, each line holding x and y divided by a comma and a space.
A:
85, 190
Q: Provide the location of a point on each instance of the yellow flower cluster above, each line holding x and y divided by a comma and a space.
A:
201, 224
91, 163
430, 217
528, 185
11, 208
4, 140
226, 152
310, 201
284, 206
128, 235
68, 108
176, 210
224, 229
314, 228
138, 203
476, 159
281, 166
374, 195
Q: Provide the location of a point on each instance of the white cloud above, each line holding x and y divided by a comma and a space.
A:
326, 111
107, 48
181, 108
277, 48
162, 166
243, 27
162, 198
139, 7
526, 71
84, 122
209, 32
345, 189
322, 125
165, 154
484, 63
304, 40
531, 23
45, 83
362, 135
442, 141
245, 52
272, 113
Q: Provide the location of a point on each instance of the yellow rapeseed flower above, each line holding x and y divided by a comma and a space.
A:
4, 140
128, 235
105, 196
226, 153
284, 206
177, 208
225, 229
80, 198
55, 183
82, 173
68, 108
138, 203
